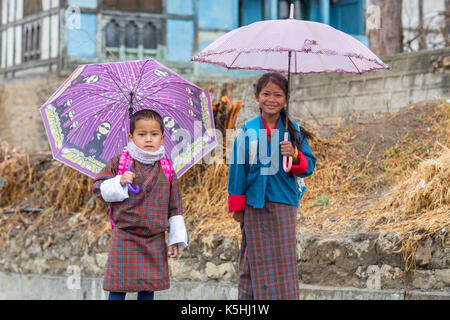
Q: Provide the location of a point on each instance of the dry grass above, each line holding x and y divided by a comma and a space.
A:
417, 207
204, 190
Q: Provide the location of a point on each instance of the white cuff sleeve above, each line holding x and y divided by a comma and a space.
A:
177, 231
112, 190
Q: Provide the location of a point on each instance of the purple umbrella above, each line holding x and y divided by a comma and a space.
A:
87, 118
290, 46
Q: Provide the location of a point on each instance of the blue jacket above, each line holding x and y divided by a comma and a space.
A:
256, 175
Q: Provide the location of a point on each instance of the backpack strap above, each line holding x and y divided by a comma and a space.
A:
167, 168
123, 166
123, 162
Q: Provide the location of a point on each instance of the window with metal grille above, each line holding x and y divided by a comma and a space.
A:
112, 34
31, 41
131, 31
150, 36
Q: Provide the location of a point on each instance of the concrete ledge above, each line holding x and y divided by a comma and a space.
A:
312, 292
73, 287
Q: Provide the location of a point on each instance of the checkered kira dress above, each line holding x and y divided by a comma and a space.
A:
138, 253
268, 260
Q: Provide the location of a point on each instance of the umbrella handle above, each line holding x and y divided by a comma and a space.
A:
287, 162
130, 187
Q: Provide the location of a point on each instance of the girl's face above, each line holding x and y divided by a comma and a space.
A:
271, 99
147, 135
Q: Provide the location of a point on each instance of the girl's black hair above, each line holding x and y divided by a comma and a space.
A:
282, 82
145, 114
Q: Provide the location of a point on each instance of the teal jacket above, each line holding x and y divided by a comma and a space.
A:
256, 173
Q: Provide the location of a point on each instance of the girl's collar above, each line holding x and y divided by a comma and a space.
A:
268, 130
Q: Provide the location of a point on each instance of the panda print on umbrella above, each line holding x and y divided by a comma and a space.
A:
173, 127
89, 79
65, 117
65, 130
161, 73
61, 107
195, 102
68, 116
98, 138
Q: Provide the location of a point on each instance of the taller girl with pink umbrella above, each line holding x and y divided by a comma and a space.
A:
262, 197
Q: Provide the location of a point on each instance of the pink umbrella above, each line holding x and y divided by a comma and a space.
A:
290, 46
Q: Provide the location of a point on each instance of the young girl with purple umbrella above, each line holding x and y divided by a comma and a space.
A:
138, 255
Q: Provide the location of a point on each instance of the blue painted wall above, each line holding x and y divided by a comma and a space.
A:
348, 16
92, 4
218, 15
180, 6
273, 9
81, 42
252, 11
313, 13
179, 33
180, 40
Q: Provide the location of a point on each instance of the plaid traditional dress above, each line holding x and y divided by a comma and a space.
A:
138, 253
268, 260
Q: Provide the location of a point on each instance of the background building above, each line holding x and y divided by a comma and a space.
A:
41, 36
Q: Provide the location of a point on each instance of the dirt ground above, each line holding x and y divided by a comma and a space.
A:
384, 149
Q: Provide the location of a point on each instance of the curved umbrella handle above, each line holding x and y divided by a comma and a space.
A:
130, 187
287, 162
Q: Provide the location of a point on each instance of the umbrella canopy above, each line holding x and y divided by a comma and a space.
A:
290, 46
87, 118
315, 48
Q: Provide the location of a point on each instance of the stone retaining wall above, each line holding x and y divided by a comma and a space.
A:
360, 261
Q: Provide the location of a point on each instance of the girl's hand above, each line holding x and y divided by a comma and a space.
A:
288, 150
238, 216
127, 177
173, 251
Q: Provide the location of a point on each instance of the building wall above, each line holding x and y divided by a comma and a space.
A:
180, 37
79, 31
189, 27
13, 28
81, 42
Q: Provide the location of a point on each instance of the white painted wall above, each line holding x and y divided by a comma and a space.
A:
18, 43
54, 36
45, 39
4, 11
19, 9
9, 46
11, 10
3, 51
